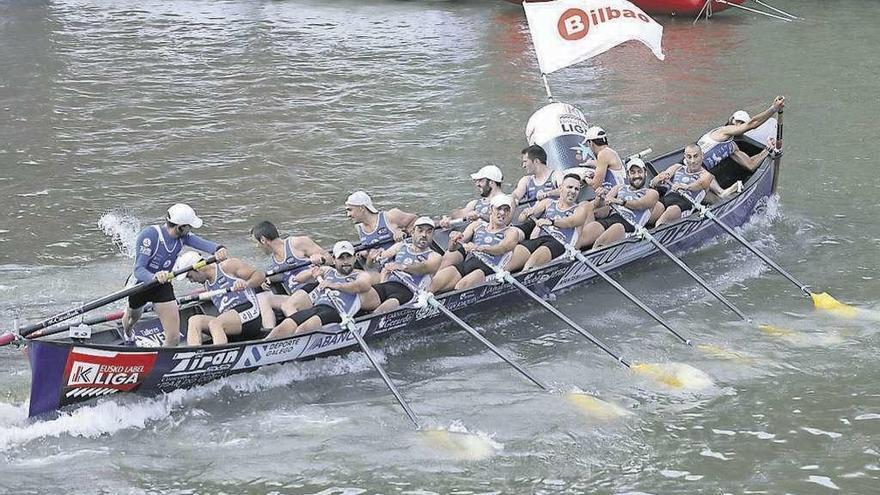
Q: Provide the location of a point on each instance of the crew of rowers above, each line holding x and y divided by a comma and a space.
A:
396, 257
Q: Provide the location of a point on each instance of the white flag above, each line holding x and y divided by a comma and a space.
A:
566, 32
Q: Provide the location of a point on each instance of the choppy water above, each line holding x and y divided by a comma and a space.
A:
110, 111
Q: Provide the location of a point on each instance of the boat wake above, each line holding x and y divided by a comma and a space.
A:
122, 228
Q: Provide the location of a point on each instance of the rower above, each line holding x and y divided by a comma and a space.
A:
540, 180
634, 201
343, 278
609, 167
376, 229
564, 217
157, 249
690, 179
238, 310
487, 182
718, 143
496, 238
413, 259
290, 251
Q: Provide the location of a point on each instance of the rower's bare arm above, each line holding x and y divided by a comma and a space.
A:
580, 217
427, 267
510, 240
362, 283
312, 250
702, 183
391, 252
306, 276
534, 211
665, 175
645, 202
250, 274
757, 120
520, 190
400, 219
601, 169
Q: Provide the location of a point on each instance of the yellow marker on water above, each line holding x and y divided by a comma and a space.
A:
826, 302
596, 408
675, 375
461, 445
721, 353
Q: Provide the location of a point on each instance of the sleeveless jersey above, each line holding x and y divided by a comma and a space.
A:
350, 303
714, 151
683, 177
554, 211
382, 236
230, 300
533, 188
165, 254
289, 281
482, 237
483, 208
628, 193
614, 177
408, 255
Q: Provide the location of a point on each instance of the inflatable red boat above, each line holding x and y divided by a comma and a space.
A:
670, 7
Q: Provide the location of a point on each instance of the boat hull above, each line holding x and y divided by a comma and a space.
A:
670, 7
66, 372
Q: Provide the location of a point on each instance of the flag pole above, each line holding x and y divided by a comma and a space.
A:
547, 88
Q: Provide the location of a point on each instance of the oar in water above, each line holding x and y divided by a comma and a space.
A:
655, 371
469, 446
589, 403
643, 232
110, 298
821, 300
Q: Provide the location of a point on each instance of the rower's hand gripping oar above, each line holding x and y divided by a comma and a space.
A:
110, 298
465, 445
643, 233
821, 300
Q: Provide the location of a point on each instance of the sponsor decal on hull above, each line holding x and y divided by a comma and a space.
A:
197, 367
92, 372
278, 351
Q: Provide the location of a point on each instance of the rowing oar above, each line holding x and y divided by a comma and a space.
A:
643, 232
110, 298
469, 444
821, 300
591, 404
653, 370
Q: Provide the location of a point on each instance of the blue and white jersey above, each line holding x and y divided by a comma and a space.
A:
289, 281
380, 237
407, 256
613, 178
157, 251
484, 237
629, 193
683, 177
230, 300
552, 212
350, 302
483, 208
533, 188
715, 151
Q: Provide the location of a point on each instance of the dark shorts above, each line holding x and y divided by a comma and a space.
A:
327, 314
674, 198
393, 290
556, 248
158, 294
249, 329
526, 227
306, 287
616, 218
472, 264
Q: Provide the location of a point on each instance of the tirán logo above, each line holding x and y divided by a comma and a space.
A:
200, 362
574, 24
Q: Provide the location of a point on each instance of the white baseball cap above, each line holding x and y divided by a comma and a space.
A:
425, 221
595, 132
490, 172
183, 214
342, 247
502, 200
360, 198
740, 115
186, 258
635, 162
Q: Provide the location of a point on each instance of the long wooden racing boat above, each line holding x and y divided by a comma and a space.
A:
71, 370
672, 7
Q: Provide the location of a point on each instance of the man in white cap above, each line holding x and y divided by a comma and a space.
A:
622, 209
157, 249
539, 181
376, 228
412, 264
238, 310
494, 240
342, 283
718, 143
487, 182
609, 166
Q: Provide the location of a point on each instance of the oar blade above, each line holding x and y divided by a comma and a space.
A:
720, 352
675, 376
596, 408
826, 302
802, 339
6, 338
461, 444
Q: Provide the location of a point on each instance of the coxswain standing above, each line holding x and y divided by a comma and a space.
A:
238, 310
609, 166
157, 249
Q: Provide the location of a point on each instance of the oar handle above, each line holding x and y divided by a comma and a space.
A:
110, 298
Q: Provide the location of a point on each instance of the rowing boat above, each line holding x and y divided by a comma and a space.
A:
71, 370
672, 7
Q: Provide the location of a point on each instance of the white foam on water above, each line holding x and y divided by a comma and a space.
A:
123, 229
44, 192
816, 431
824, 481
459, 442
723, 432
113, 415
862, 417
707, 452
